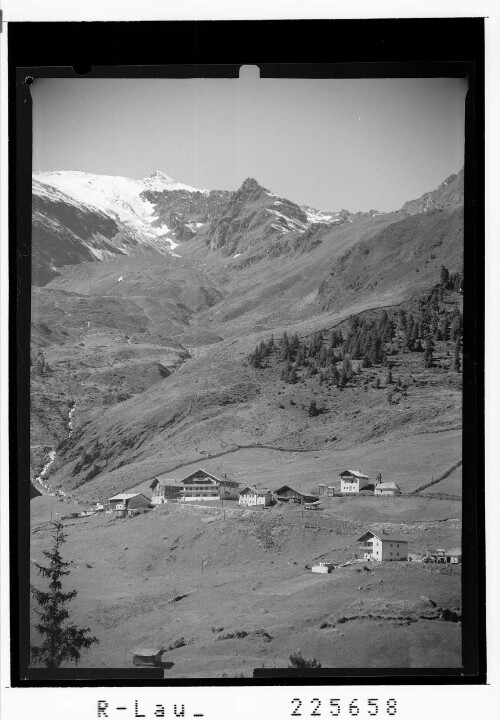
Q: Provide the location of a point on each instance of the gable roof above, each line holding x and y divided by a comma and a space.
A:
251, 490
284, 488
164, 482
201, 470
148, 652
356, 473
384, 536
388, 486
126, 496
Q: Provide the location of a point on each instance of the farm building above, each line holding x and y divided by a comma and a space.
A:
328, 491
251, 496
147, 656
454, 556
288, 494
128, 501
164, 490
387, 488
352, 481
383, 546
202, 485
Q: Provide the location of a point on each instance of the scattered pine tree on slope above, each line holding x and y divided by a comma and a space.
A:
329, 355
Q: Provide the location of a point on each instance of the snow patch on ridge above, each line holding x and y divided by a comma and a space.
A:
318, 216
291, 224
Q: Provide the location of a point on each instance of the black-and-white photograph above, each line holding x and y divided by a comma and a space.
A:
246, 373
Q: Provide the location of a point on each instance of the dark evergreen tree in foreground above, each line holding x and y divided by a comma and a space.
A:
61, 640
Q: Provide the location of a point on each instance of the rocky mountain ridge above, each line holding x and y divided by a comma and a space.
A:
80, 217
148, 344
449, 194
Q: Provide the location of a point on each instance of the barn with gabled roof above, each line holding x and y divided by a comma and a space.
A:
163, 490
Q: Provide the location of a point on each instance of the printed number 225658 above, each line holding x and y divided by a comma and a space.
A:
340, 708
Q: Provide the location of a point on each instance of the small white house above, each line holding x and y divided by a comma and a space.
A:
251, 496
387, 488
352, 481
323, 567
383, 546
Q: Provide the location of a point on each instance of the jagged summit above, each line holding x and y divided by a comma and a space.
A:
160, 181
250, 183
160, 175
250, 187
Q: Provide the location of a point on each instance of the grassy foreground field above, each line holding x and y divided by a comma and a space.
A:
140, 583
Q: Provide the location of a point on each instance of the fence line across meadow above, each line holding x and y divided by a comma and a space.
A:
412, 495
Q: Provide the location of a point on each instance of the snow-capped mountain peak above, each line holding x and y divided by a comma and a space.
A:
160, 182
120, 197
161, 176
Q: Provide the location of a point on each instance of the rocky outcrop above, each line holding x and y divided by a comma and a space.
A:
252, 218
448, 195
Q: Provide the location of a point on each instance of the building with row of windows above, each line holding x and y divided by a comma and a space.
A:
354, 481
383, 546
199, 485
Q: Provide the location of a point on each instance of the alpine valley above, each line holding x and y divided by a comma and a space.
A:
175, 328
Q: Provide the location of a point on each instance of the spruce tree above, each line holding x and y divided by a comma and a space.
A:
456, 362
61, 640
313, 408
40, 364
456, 326
292, 376
366, 362
256, 358
428, 354
347, 367
445, 276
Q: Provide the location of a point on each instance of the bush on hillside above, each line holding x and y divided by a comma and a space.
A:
297, 660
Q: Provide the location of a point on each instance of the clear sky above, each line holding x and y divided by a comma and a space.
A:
332, 144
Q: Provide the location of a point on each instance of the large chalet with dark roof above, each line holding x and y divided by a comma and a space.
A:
288, 494
202, 485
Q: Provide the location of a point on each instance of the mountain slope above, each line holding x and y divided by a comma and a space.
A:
247, 265
406, 252
450, 194
79, 217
